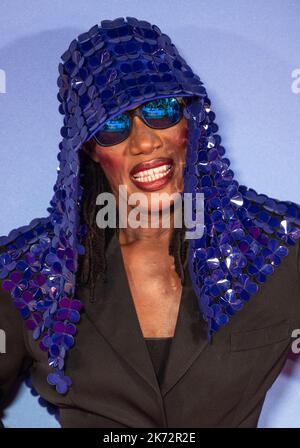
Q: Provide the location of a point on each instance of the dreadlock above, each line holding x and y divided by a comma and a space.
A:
92, 265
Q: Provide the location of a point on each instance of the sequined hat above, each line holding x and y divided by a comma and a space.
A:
105, 71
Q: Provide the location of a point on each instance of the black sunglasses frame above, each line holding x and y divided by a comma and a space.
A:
138, 113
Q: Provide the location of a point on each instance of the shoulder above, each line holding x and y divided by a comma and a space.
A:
263, 207
275, 224
18, 254
21, 237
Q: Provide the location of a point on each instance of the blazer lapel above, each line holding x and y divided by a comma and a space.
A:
113, 314
190, 337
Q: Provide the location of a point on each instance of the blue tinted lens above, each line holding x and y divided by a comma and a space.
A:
120, 123
114, 131
162, 113
158, 114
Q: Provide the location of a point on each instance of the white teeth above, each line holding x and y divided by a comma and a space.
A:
152, 174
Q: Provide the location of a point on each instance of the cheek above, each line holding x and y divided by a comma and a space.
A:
180, 139
110, 165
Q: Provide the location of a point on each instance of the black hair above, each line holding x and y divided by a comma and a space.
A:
92, 265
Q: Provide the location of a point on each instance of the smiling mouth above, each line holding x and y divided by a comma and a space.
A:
151, 175
156, 176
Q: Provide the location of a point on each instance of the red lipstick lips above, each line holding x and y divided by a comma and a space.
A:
145, 181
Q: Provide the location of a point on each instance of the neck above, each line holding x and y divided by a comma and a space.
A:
149, 236
147, 226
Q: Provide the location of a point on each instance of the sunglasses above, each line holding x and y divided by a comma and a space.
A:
157, 114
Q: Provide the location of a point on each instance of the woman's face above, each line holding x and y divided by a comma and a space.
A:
128, 163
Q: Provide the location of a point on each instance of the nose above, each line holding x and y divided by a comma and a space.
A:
143, 139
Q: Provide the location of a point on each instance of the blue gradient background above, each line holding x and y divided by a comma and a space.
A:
244, 51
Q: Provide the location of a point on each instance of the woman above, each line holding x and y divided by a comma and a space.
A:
144, 327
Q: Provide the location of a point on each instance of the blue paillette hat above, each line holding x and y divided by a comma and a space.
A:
105, 71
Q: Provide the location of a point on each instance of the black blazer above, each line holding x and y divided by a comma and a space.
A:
222, 384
